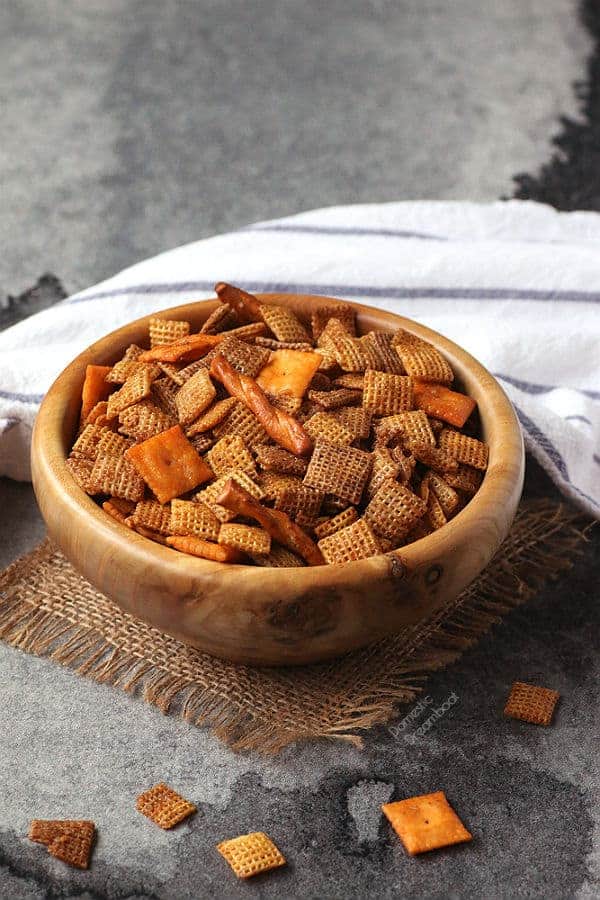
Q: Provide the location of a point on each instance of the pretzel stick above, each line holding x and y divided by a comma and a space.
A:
245, 305
278, 524
187, 349
279, 425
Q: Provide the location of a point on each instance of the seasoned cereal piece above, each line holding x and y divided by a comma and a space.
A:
221, 319
406, 427
467, 450
245, 538
194, 397
69, 840
118, 509
144, 420
251, 854
98, 415
164, 391
88, 442
336, 398
274, 484
341, 520
325, 426
394, 510
531, 703
343, 312
421, 359
353, 380
278, 558
465, 479
164, 806
152, 515
273, 344
112, 444
242, 422
230, 452
127, 366
355, 541
81, 470
301, 503
446, 495
166, 331
275, 459
385, 394
193, 517
384, 467
356, 419
117, 477
380, 354
136, 388
284, 324
248, 359
338, 470
427, 822
436, 458
212, 417
347, 351
168, 464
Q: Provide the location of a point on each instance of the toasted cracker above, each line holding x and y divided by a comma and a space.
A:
211, 417
394, 510
193, 517
275, 459
324, 425
427, 822
250, 854
385, 394
166, 331
284, 324
245, 538
194, 397
169, 464
136, 388
338, 470
144, 420
336, 523
355, 541
164, 806
531, 703
69, 840
301, 503
467, 450
343, 312
117, 477
230, 452
288, 372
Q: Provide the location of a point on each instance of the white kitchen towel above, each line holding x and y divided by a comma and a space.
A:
517, 284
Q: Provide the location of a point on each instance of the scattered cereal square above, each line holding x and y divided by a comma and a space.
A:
164, 806
250, 854
531, 703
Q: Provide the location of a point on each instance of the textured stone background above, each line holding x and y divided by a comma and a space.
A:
130, 126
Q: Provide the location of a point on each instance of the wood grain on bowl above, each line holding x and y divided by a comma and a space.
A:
273, 616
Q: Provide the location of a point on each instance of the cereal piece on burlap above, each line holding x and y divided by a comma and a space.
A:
406, 427
334, 469
112, 444
384, 467
385, 394
446, 495
69, 840
285, 325
230, 452
301, 503
250, 854
193, 517
152, 515
394, 510
169, 464
467, 450
87, 444
245, 358
117, 477
202, 442
196, 546
355, 541
279, 557
466, 479
273, 344
325, 426
164, 806
275, 459
136, 388
343, 312
243, 422
220, 319
380, 354
421, 359
353, 380
436, 458
427, 822
245, 538
144, 420
194, 397
356, 419
81, 470
531, 703
164, 391
342, 520
166, 331
273, 485
212, 417
119, 509
285, 402
336, 398
347, 351
213, 490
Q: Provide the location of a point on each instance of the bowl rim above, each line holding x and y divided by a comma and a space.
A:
501, 480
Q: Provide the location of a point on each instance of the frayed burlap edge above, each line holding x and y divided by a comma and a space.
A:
49, 610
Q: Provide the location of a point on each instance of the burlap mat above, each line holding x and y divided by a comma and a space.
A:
46, 608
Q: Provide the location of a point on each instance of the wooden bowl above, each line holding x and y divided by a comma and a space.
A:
276, 616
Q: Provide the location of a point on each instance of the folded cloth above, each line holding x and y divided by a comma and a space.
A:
517, 284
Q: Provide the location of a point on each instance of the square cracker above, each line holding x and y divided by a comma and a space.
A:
427, 822
164, 806
531, 703
169, 464
250, 854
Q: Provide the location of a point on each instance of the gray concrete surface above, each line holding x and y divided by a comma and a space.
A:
132, 126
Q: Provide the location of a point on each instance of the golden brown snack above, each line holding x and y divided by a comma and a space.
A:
186, 349
427, 822
164, 806
168, 464
531, 703
196, 546
246, 307
250, 854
